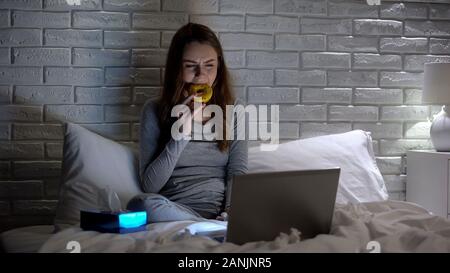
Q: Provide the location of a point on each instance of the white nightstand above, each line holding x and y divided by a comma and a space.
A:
428, 179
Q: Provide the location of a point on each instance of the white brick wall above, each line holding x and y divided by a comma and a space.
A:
332, 65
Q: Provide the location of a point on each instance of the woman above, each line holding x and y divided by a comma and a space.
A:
188, 179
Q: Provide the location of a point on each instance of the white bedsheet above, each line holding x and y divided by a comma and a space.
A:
393, 225
25, 239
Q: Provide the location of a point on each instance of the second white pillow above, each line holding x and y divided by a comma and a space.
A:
360, 179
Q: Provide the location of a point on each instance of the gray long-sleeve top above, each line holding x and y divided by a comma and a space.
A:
191, 172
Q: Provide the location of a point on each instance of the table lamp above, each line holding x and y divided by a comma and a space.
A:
436, 91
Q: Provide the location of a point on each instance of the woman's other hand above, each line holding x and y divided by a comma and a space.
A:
223, 215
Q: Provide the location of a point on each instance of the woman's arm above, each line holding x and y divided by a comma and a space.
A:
155, 170
237, 164
238, 154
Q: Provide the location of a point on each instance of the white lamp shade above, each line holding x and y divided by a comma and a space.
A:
436, 84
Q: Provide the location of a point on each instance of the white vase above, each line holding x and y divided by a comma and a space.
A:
440, 130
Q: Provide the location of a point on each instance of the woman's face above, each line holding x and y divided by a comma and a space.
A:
199, 64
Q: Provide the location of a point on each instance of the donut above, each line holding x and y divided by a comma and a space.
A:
204, 88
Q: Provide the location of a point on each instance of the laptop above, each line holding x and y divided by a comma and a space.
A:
265, 204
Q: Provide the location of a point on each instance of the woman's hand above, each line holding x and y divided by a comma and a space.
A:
223, 215
197, 116
191, 102
194, 113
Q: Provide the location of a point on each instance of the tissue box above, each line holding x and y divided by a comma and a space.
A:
113, 222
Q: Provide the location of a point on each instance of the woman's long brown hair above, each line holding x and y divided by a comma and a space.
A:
173, 81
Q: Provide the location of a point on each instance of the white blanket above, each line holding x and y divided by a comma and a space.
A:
389, 226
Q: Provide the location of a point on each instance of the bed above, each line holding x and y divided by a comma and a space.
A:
386, 226
364, 219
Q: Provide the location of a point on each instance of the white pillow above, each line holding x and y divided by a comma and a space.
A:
93, 165
360, 179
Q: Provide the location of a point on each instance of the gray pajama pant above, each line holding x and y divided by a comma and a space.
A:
161, 209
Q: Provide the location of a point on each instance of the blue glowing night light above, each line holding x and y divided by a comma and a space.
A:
132, 219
